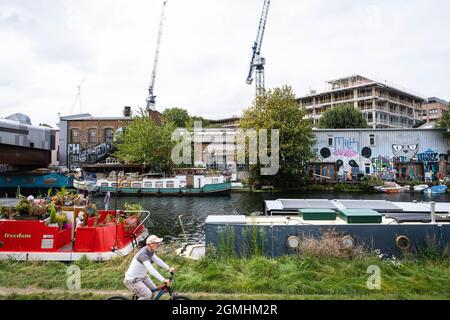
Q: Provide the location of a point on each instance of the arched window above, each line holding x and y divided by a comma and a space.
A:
92, 135
75, 136
108, 134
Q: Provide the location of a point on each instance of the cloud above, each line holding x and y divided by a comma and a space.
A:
49, 46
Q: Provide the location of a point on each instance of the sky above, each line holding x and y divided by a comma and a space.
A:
50, 47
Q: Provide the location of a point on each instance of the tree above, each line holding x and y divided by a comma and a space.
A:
444, 123
342, 117
144, 142
178, 116
278, 109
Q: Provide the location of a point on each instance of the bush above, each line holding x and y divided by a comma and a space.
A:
329, 245
52, 215
23, 207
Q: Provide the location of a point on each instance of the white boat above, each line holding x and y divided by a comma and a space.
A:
133, 184
420, 188
192, 251
392, 187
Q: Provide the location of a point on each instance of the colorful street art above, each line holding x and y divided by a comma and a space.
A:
428, 156
347, 156
405, 152
404, 160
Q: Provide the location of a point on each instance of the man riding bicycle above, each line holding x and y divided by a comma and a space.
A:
136, 278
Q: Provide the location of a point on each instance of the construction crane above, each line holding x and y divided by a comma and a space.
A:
257, 63
151, 100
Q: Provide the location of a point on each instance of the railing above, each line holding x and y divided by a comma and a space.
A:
143, 220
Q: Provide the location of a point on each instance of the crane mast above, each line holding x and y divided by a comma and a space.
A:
151, 100
257, 62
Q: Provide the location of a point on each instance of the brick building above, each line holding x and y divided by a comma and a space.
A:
85, 139
434, 109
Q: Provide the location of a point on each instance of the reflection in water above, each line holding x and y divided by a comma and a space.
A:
164, 211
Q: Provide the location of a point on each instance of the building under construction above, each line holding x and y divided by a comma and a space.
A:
383, 105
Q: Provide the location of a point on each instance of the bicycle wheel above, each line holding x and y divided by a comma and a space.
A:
179, 297
118, 298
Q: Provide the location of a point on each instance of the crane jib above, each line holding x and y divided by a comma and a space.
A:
257, 61
151, 96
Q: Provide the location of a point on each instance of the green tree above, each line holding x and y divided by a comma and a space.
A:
342, 117
178, 116
444, 123
144, 142
278, 109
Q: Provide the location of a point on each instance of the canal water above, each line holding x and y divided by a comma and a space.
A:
165, 211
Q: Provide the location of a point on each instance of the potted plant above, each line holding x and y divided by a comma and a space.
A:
23, 207
52, 220
61, 219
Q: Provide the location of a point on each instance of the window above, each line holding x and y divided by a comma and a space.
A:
114, 184
372, 140
104, 184
148, 185
75, 136
92, 135
215, 180
108, 134
74, 158
170, 184
330, 141
136, 185
367, 168
159, 184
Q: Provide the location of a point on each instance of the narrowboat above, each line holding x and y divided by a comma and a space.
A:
156, 184
390, 227
34, 181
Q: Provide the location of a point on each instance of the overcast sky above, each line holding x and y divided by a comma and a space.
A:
47, 48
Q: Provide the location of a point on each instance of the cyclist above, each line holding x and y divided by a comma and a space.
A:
136, 278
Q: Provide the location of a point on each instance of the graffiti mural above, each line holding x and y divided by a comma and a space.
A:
388, 154
428, 156
347, 155
405, 152
96, 153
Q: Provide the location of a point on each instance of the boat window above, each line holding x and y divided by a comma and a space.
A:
114, 184
148, 185
136, 185
215, 180
104, 184
159, 184
169, 184
125, 185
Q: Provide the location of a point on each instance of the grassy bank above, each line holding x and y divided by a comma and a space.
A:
290, 277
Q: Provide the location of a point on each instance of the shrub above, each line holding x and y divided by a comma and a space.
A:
328, 245
23, 207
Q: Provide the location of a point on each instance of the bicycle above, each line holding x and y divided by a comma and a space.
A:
160, 291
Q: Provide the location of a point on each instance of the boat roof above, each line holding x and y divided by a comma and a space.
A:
285, 220
286, 206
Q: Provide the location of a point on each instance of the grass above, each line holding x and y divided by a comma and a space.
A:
289, 277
